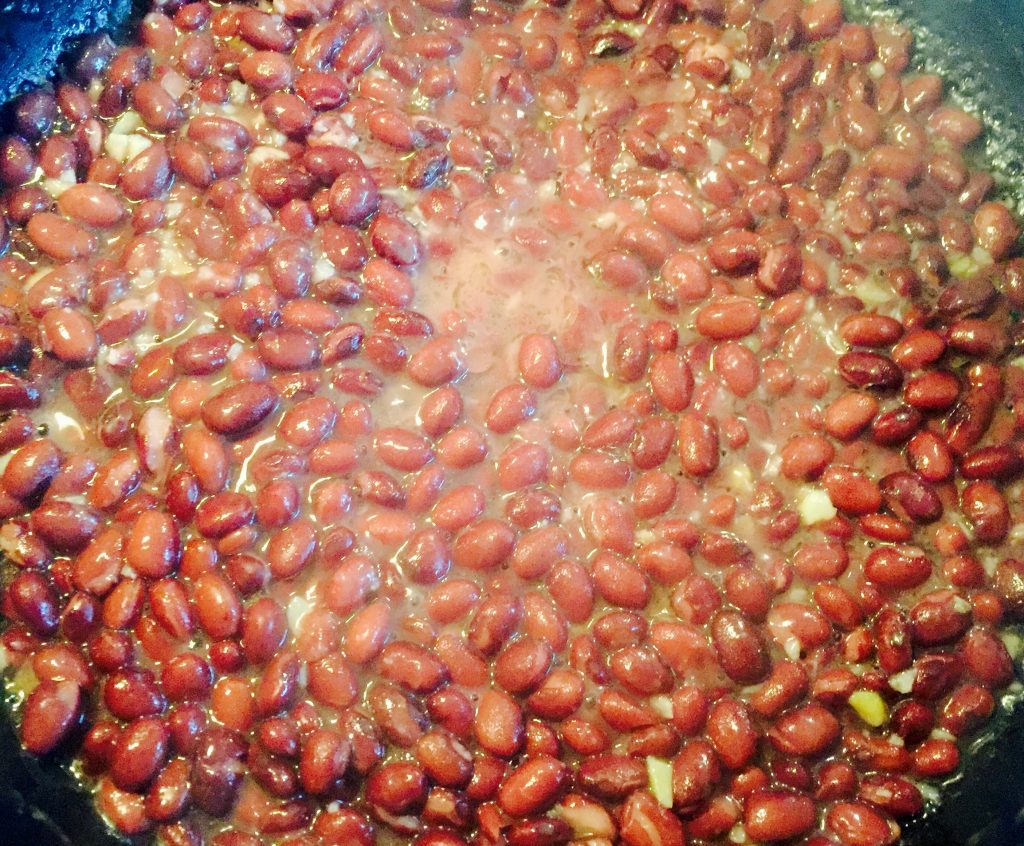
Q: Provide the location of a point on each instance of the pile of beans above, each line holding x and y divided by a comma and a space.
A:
451, 422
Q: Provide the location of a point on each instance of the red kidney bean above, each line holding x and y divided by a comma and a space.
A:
239, 409
49, 714
157, 107
202, 355
994, 462
509, 407
935, 675
969, 420
343, 825
780, 269
870, 370
436, 363
893, 640
935, 619
986, 510
169, 604
215, 773
217, 605
741, 650
65, 526
291, 548
728, 318
263, 630
671, 380
353, 197
170, 793
59, 238
809, 730
332, 682
933, 391
805, 456
619, 581
534, 786
558, 696
967, 707
153, 545
31, 469
131, 694
929, 456
870, 330
396, 788
987, 658
539, 363
857, 824
542, 831
738, 367
786, 683
323, 760
412, 666
499, 725
34, 601
139, 754
697, 442
1008, 582
16, 393
772, 815
221, 514
908, 495
521, 666
643, 821
897, 567
696, 771
444, 759
893, 794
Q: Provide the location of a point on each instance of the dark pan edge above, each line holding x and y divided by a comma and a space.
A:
977, 47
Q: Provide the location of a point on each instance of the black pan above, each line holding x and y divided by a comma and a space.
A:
977, 46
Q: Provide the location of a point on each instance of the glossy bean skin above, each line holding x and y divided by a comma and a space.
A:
488, 425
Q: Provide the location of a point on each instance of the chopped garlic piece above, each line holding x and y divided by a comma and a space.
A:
741, 70
741, 480
870, 707
116, 146
737, 834
263, 153
24, 681
56, 187
663, 705
322, 270
298, 608
872, 292
981, 256
1012, 642
124, 147
814, 505
659, 776
585, 818
903, 682
791, 646
238, 92
963, 266
127, 123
